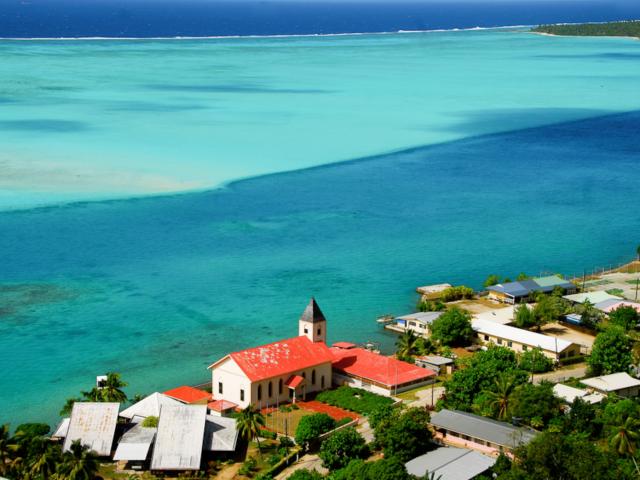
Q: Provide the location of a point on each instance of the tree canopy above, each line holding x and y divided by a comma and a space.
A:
341, 447
404, 434
625, 317
452, 328
311, 427
611, 352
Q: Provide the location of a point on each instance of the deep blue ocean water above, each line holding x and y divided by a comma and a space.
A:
168, 18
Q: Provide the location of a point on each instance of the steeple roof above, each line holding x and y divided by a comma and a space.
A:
312, 313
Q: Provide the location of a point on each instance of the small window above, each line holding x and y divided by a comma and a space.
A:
304, 375
412, 324
259, 392
486, 338
280, 387
319, 331
524, 348
322, 381
306, 330
509, 343
270, 389
499, 341
313, 377
242, 395
220, 388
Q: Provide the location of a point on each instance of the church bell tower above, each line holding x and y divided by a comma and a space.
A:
312, 323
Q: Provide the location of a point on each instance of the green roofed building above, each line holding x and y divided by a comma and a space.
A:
516, 292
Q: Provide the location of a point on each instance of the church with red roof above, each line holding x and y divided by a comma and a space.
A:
286, 370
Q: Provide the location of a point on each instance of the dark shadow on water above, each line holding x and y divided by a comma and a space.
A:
602, 56
232, 89
44, 126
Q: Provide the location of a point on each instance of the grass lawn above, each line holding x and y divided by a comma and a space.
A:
286, 422
410, 395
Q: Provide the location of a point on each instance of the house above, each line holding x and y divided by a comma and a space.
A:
622, 384
94, 424
609, 306
569, 394
450, 463
361, 368
147, 407
462, 429
418, 322
592, 297
280, 371
436, 363
180, 438
520, 340
189, 395
222, 408
521, 291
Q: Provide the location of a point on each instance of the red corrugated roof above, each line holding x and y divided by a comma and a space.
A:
281, 358
294, 382
378, 368
221, 405
188, 394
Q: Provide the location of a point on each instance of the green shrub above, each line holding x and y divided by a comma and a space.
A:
249, 465
354, 399
264, 433
31, 430
150, 422
273, 459
295, 407
456, 293
342, 447
535, 361
286, 442
304, 474
311, 427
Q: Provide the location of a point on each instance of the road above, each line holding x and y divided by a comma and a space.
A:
561, 375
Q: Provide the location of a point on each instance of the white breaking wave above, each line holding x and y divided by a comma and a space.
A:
295, 35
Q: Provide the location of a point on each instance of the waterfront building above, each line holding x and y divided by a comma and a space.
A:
521, 291
418, 322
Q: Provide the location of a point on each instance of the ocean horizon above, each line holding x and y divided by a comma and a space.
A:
349, 167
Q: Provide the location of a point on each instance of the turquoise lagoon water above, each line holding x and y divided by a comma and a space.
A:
458, 155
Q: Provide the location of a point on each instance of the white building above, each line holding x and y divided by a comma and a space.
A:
622, 384
520, 340
278, 372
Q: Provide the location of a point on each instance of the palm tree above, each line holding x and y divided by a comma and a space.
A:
111, 390
500, 398
8, 449
406, 344
624, 438
43, 458
68, 406
249, 422
79, 463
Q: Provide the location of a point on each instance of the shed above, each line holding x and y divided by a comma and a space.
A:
179, 438
135, 444
592, 297
220, 434
94, 424
436, 363
449, 463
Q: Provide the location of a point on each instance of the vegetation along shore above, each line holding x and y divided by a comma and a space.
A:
609, 29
